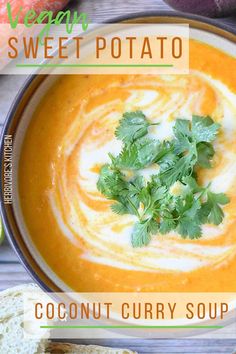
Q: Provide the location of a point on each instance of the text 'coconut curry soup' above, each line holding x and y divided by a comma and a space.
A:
128, 183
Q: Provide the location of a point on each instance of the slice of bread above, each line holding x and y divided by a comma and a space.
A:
67, 348
12, 339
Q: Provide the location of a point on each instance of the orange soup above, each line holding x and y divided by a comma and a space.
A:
67, 142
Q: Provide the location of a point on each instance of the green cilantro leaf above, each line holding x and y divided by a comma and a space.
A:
119, 208
188, 223
166, 225
133, 126
142, 153
195, 137
189, 228
204, 129
192, 184
139, 155
181, 167
182, 134
212, 207
141, 235
111, 182
205, 153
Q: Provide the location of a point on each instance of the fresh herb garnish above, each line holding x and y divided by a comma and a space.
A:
171, 199
133, 126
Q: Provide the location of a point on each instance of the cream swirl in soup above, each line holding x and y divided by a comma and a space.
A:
68, 140
82, 213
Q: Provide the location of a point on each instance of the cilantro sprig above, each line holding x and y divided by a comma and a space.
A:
172, 200
133, 126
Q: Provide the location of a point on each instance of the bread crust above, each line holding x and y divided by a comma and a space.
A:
67, 348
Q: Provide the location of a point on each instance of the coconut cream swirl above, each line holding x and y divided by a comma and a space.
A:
84, 215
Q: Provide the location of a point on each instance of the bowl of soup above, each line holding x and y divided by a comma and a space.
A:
63, 128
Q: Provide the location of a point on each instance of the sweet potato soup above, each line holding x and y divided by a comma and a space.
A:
68, 140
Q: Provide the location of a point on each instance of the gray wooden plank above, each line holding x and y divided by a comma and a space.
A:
103, 10
9, 87
166, 346
164, 342
13, 268
11, 283
7, 254
12, 275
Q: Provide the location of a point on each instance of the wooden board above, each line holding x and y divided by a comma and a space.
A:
13, 273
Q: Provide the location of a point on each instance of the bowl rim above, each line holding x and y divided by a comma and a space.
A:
175, 14
195, 21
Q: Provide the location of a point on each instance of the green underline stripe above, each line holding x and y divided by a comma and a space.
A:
96, 65
136, 327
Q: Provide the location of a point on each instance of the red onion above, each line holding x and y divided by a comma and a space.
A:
210, 8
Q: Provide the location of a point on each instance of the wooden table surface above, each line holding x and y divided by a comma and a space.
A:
12, 272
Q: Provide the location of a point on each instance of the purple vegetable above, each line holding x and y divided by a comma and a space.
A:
210, 8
